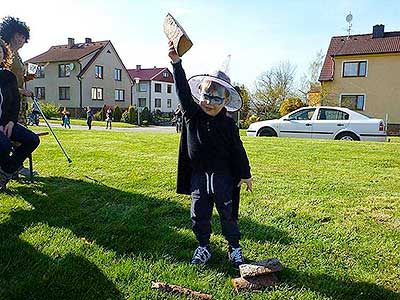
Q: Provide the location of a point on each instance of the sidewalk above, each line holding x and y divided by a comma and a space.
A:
159, 129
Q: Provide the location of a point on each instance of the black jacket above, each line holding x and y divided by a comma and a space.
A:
209, 144
9, 98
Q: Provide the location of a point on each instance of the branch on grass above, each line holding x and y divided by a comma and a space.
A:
176, 289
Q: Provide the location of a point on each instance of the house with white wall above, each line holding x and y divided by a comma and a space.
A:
153, 88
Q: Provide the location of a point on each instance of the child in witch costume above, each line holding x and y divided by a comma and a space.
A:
212, 162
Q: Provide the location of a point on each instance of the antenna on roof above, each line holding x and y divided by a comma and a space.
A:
349, 19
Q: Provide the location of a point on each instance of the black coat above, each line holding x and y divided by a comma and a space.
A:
9, 98
224, 141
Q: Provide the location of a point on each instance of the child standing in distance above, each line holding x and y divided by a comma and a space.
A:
212, 159
89, 117
109, 117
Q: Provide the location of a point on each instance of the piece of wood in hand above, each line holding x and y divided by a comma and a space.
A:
176, 289
259, 268
255, 283
177, 35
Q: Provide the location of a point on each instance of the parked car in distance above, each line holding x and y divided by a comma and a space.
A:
322, 122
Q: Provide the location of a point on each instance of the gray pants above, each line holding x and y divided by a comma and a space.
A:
207, 189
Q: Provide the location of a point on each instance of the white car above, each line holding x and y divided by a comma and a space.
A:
323, 122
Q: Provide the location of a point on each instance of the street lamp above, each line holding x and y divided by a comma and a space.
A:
137, 79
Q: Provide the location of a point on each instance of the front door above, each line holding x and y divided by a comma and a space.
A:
297, 124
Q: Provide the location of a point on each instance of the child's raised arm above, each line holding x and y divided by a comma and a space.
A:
188, 106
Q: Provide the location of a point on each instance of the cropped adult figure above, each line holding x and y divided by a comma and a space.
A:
10, 131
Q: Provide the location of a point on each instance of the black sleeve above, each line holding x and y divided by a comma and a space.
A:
14, 101
188, 106
239, 155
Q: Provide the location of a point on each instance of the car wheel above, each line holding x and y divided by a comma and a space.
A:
348, 136
267, 132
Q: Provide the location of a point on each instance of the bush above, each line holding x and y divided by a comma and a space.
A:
145, 115
132, 115
117, 114
50, 111
124, 117
98, 116
290, 105
244, 124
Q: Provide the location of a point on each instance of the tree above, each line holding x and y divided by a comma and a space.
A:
243, 92
272, 88
311, 78
290, 105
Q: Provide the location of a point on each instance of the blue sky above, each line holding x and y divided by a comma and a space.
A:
258, 34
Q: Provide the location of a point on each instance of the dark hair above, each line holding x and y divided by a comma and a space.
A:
7, 56
10, 26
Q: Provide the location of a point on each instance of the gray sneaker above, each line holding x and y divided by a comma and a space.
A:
201, 256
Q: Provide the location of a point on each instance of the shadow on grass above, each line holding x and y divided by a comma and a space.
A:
335, 288
26, 273
127, 223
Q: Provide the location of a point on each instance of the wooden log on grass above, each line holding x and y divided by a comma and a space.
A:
176, 289
272, 265
256, 283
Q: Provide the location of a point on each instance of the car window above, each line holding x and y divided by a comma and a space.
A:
332, 114
305, 114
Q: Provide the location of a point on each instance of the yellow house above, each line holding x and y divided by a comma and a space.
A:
362, 72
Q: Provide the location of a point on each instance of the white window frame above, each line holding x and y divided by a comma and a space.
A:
353, 94
352, 61
145, 85
118, 93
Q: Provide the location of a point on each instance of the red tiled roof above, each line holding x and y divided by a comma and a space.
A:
151, 74
358, 45
64, 53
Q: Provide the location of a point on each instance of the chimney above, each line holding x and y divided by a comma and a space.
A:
88, 40
138, 67
378, 31
71, 42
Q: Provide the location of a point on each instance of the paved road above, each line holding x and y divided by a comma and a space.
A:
160, 129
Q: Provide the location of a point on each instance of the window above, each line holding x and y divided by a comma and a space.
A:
157, 87
119, 95
142, 102
97, 93
165, 74
332, 114
142, 87
40, 92
169, 89
169, 103
117, 74
157, 102
64, 93
99, 72
64, 70
355, 102
305, 114
355, 69
40, 72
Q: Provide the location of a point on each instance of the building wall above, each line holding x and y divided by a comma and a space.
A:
152, 94
109, 60
381, 86
51, 82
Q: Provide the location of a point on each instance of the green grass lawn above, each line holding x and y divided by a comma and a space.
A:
82, 122
108, 224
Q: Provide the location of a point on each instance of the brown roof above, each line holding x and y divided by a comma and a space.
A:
151, 74
358, 45
64, 53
